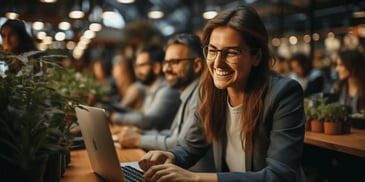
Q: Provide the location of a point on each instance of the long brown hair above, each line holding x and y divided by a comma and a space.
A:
354, 61
213, 106
26, 43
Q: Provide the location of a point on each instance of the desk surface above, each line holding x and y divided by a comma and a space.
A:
79, 168
352, 143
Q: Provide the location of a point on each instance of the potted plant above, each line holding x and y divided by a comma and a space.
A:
334, 116
34, 115
30, 118
314, 113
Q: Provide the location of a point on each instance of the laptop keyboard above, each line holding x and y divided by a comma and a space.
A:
131, 174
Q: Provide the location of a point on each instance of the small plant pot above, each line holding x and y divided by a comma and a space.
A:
332, 128
316, 126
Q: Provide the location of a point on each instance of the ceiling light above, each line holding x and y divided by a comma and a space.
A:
70, 45
113, 19
47, 40
210, 12
60, 36
41, 35
64, 25
76, 12
38, 25
95, 27
293, 40
307, 38
95, 18
12, 12
48, 1
126, 1
155, 13
12, 15
89, 34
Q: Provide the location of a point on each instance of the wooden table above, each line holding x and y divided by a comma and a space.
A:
80, 169
352, 143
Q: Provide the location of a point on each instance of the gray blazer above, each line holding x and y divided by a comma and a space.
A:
159, 108
277, 142
167, 139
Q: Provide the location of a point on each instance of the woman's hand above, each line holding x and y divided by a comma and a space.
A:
159, 166
156, 157
169, 172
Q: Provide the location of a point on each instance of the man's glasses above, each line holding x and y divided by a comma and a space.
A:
175, 62
228, 54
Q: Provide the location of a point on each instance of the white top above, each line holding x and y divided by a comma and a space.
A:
235, 155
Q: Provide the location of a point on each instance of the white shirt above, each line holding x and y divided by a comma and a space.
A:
235, 155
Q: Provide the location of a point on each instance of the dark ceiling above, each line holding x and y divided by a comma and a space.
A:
280, 16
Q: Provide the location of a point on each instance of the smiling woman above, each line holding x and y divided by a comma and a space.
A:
246, 110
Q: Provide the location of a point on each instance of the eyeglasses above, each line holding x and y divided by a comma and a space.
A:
175, 62
229, 54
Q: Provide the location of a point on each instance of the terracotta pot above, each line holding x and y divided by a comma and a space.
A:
332, 128
316, 126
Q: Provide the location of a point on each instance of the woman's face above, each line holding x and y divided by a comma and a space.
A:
233, 68
342, 71
10, 39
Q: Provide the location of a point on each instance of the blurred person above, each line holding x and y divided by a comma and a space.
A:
350, 87
15, 38
252, 117
311, 79
102, 74
17, 41
182, 67
281, 65
161, 101
130, 91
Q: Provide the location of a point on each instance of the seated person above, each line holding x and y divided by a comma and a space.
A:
351, 84
130, 91
311, 79
253, 118
161, 102
182, 67
15, 38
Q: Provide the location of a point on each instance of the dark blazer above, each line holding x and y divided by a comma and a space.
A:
277, 142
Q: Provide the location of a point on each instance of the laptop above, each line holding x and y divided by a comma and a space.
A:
100, 147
